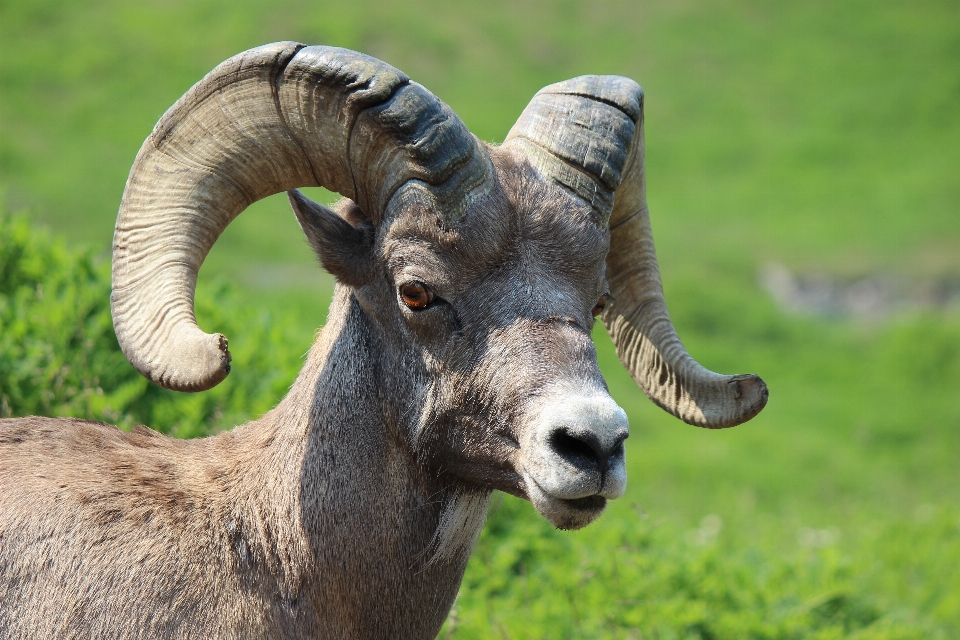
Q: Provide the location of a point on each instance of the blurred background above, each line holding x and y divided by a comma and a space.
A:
803, 166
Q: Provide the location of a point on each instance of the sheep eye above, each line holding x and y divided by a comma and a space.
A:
601, 304
416, 295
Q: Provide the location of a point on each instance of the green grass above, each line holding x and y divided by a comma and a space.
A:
823, 135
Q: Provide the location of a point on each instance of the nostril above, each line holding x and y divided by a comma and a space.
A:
585, 449
575, 450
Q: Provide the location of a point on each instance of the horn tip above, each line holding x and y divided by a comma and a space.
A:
752, 395
746, 396
205, 368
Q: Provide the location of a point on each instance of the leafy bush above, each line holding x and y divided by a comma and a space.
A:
59, 355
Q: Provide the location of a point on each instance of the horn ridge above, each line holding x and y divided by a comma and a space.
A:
280, 71
323, 94
578, 132
618, 92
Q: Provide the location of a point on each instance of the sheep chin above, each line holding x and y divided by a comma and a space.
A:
565, 513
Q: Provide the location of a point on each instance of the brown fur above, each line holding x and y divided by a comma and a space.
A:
320, 519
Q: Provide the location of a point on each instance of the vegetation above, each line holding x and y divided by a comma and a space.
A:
59, 355
821, 135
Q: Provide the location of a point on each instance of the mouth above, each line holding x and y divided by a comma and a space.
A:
564, 513
585, 505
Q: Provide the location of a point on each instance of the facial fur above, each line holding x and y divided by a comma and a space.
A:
505, 337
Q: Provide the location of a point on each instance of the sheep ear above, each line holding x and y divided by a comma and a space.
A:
343, 242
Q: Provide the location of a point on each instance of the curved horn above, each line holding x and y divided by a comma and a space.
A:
586, 134
268, 120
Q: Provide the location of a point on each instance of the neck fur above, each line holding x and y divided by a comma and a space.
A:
344, 494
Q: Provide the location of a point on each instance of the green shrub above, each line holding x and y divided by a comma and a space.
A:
59, 355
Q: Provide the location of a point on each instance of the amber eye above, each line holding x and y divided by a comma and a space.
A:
416, 295
601, 303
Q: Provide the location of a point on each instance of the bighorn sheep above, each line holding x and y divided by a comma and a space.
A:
456, 361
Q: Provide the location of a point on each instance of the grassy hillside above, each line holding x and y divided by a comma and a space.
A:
822, 136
